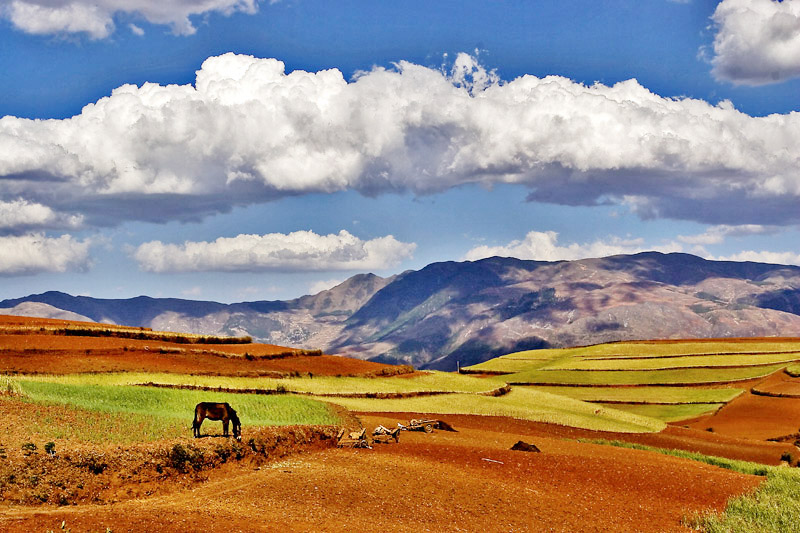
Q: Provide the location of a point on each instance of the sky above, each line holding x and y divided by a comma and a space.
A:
240, 150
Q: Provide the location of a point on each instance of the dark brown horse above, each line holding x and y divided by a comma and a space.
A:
217, 411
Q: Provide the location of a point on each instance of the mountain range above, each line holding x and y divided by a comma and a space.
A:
466, 312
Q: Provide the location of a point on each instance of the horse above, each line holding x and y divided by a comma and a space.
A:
217, 411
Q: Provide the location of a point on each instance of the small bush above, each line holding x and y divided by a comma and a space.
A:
787, 457
94, 464
183, 458
50, 448
222, 452
28, 448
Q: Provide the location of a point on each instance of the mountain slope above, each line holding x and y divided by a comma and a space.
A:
450, 313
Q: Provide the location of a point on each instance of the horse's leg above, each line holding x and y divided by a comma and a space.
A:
198, 420
225, 426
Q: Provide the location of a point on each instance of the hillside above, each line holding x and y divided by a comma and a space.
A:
468, 312
96, 416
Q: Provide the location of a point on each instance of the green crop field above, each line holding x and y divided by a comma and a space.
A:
523, 403
167, 412
690, 361
667, 413
793, 369
434, 381
649, 377
645, 395
515, 362
669, 381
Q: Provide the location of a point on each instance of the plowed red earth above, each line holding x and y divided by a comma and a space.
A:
140, 360
780, 383
58, 354
753, 417
673, 437
465, 481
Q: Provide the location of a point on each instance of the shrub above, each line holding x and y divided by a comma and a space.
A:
183, 458
222, 452
93, 463
50, 448
28, 448
787, 457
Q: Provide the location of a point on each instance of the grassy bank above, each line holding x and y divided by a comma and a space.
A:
645, 395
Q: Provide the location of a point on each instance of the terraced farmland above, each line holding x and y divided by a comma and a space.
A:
668, 380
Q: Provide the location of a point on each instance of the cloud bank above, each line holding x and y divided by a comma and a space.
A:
248, 132
757, 41
543, 246
95, 18
299, 250
36, 253
777, 258
718, 234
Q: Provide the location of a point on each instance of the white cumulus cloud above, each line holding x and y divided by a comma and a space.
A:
299, 250
778, 258
35, 253
20, 213
95, 18
248, 132
717, 234
543, 246
757, 41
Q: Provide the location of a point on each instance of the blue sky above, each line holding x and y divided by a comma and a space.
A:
436, 136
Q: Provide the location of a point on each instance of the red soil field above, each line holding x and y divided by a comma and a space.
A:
59, 354
439, 482
673, 437
780, 383
752, 416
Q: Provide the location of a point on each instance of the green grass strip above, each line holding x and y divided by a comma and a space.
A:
774, 507
435, 381
692, 361
667, 413
645, 395
645, 377
179, 404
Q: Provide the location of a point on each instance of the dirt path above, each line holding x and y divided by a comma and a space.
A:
465, 481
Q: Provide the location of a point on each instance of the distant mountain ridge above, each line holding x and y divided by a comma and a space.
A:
467, 312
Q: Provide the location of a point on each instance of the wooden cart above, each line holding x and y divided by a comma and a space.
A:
354, 439
385, 435
426, 425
